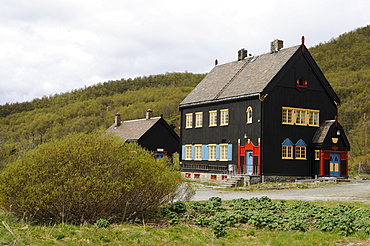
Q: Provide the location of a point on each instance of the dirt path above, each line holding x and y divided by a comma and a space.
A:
348, 192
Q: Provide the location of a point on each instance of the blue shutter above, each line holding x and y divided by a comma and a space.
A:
217, 152
205, 152
230, 152
183, 149
192, 151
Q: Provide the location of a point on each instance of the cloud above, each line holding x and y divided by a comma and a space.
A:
50, 47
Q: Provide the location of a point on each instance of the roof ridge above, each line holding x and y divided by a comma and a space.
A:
235, 75
143, 119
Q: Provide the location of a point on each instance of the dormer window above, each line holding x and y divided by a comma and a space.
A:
301, 83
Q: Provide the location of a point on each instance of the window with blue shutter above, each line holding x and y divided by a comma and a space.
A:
204, 152
193, 152
183, 150
230, 152
217, 152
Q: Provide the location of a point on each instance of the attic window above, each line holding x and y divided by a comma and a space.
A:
301, 83
249, 115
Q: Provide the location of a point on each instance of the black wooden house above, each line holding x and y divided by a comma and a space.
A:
151, 133
273, 114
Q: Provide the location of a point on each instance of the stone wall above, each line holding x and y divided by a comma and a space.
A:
207, 177
282, 179
245, 179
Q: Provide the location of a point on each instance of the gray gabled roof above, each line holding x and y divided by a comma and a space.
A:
322, 132
133, 130
239, 78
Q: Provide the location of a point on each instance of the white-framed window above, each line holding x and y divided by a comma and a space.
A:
223, 152
212, 152
249, 113
189, 120
188, 151
198, 152
198, 119
224, 115
213, 118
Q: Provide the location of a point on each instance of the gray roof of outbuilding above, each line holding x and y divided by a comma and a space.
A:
322, 132
240, 78
133, 130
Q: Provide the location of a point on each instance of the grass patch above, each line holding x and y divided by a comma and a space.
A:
203, 222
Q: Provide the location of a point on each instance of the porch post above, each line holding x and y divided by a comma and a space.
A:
238, 156
322, 169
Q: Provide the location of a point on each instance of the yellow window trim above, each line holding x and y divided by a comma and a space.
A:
223, 146
209, 147
289, 149
222, 123
187, 124
211, 124
195, 154
306, 115
197, 125
300, 151
186, 151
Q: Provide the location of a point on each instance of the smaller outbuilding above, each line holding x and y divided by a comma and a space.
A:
152, 133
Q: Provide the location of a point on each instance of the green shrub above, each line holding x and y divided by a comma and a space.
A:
102, 223
82, 178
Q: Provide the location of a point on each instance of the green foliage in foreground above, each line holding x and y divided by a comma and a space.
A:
16, 232
85, 177
263, 213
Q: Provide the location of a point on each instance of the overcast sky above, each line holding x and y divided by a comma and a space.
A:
54, 46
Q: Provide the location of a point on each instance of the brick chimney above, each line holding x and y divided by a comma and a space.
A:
276, 45
149, 114
242, 54
117, 120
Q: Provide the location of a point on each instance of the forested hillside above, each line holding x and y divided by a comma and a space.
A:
344, 61
25, 125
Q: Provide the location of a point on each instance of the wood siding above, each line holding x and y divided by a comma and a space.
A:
287, 94
160, 136
236, 129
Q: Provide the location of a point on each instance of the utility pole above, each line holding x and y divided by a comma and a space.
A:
365, 140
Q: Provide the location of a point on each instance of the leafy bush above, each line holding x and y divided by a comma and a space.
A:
263, 213
177, 207
82, 178
102, 223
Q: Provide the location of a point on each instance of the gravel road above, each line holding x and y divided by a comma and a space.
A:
348, 192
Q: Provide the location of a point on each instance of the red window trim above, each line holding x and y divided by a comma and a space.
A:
301, 81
